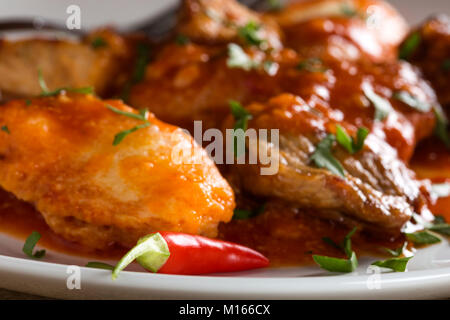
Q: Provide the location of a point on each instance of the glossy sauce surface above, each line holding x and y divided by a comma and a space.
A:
286, 236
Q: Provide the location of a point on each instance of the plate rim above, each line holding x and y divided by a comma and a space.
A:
27, 276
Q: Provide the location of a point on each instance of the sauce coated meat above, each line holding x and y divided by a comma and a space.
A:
59, 155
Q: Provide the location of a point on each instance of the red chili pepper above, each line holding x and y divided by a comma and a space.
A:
178, 253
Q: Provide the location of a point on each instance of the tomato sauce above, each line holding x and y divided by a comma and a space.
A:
19, 219
285, 235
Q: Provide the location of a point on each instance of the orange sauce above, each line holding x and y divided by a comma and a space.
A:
286, 236
432, 161
19, 219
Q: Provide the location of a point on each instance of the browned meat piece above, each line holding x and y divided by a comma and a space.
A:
352, 28
429, 48
377, 190
192, 82
219, 21
59, 155
195, 82
101, 60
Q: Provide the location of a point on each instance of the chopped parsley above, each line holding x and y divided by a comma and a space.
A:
6, 129
349, 143
412, 101
29, 245
142, 115
397, 252
274, 5
382, 106
441, 128
346, 244
241, 214
121, 135
348, 10
240, 114
446, 65
98, 42
422, 237
312, 65
250, 34
410, 45
339, 265
241, 117
182, 40
442, 228
45, 92
336, 264
323, 156
395, 264
142, 59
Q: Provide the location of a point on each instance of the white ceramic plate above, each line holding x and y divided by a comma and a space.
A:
428, 273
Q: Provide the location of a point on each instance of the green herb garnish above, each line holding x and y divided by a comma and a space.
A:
397, 252
121, 135
99, 265
395, 264
182, 40
45, 92
348, 11
423, 237
349, 143
446, 65
249, 34
442, 228
29, 245
312, 65
412, 101
438, 220
142, 59
336, 264
6, 129
382, 106
98, 42
441, 128
410, 45
240, 114
346, 244
323, 157
142, 115
241, 117
331, 243
240, 214
274, 5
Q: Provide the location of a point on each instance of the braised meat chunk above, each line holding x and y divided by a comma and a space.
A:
429, 48
100, 60
371, 186
369, 28
101, 173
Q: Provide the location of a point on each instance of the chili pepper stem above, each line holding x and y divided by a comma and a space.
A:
151, 252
